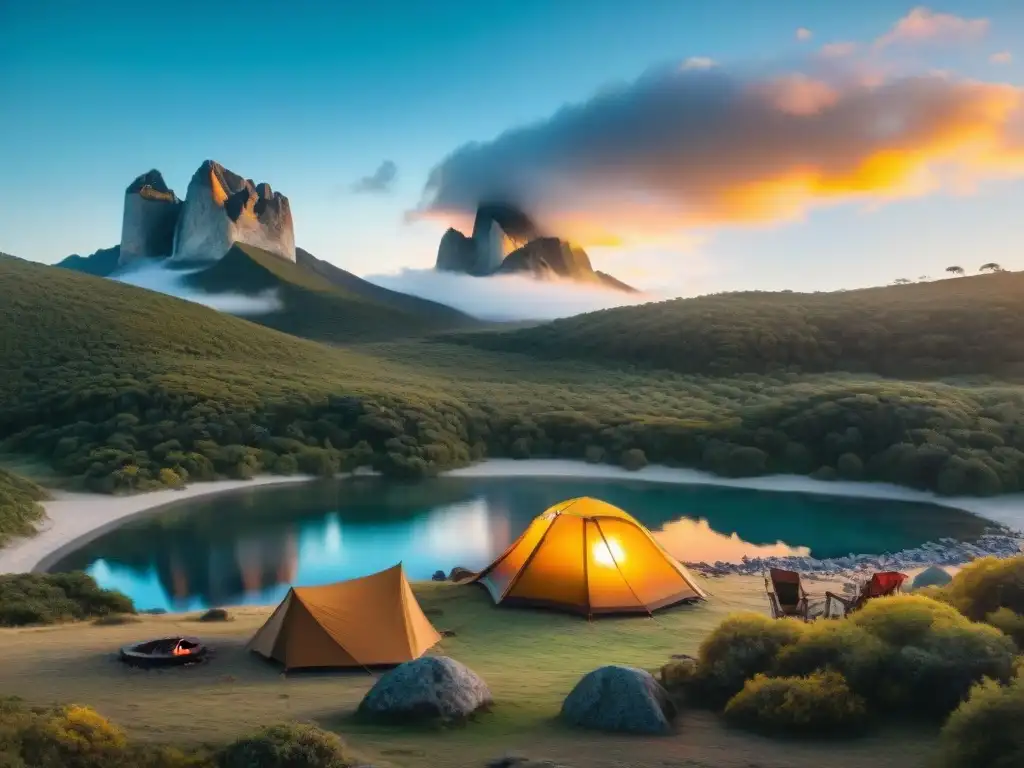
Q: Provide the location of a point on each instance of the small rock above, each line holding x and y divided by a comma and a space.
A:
619, 699
459, 573
438, 576
434, 688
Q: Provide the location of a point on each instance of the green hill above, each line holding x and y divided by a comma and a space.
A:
101, 263
968, 325
126, 389
314, 307
318, 301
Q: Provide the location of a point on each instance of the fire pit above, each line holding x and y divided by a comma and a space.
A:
166, 652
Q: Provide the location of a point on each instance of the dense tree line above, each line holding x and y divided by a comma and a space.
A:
130, 390
972, 325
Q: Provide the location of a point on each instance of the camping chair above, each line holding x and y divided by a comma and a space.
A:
879, 585
786, 594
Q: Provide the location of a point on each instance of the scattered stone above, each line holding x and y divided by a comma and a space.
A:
430, 688
619, 699
996, 542
216, 614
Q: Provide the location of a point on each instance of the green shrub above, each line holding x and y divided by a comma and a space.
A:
981, 588
1009, 623
818, 704
288, 746
843, 646
633, 459
20, 509
985, 731
77, 737
935, 653
33, 598
678, 674
72, 737
743, 645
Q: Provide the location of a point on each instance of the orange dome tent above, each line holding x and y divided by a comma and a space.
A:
586, 556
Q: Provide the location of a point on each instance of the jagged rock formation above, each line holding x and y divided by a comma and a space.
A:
222, 208
151, 212
456, 253
505, 241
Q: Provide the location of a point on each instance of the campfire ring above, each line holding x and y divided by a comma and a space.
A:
165, 652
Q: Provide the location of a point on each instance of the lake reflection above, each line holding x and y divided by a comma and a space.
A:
247, 548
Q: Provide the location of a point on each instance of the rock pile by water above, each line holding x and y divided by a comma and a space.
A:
944, 552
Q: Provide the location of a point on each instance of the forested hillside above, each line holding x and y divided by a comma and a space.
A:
126, 390
967, 325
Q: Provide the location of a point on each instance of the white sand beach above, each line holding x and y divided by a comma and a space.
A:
74, 519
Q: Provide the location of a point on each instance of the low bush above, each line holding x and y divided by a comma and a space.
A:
33, 598
990, 589
742, 646
840, 645
934, 654
20, 509
288, 746
985, 731
819, 704
679, 674
77, 737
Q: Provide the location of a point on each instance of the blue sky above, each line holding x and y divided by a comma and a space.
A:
311, 96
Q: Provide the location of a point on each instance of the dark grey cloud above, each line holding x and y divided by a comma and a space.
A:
380, 182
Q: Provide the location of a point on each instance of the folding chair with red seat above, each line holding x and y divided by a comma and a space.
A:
881, 584
786, 594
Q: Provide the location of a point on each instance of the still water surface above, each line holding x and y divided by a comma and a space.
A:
248, 547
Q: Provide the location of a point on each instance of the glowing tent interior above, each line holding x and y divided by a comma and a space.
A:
373, 620
587, 556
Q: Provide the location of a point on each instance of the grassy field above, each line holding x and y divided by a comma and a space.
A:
530, 660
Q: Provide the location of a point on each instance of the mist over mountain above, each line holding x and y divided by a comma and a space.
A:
509, 297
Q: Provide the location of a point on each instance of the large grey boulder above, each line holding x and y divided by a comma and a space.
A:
932, 576
427, 688
616, 698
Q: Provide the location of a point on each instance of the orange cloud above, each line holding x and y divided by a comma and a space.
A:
680, 150
1003, 57
923, 24
803, 33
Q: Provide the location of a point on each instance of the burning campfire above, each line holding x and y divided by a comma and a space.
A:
165, 652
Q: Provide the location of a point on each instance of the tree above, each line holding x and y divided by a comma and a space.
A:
990, 267
955, 270
901, 281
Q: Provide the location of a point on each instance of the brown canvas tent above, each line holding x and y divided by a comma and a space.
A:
586, 556
362, 622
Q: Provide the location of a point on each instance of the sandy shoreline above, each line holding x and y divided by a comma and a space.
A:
75, 519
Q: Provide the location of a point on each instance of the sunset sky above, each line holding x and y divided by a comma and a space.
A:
691, 146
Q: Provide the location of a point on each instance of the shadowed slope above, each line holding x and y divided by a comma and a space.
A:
971, 325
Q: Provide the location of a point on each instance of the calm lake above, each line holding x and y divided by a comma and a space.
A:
249, 546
